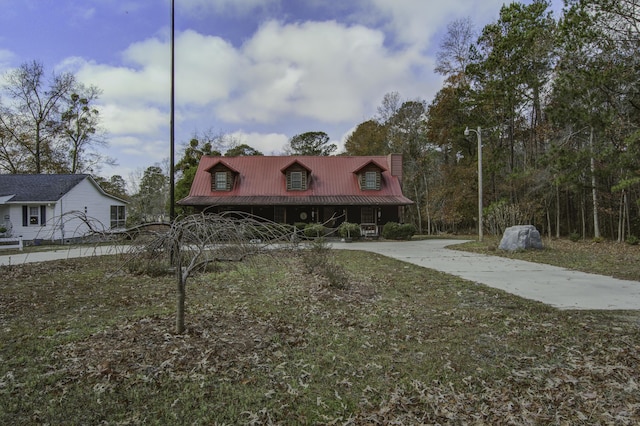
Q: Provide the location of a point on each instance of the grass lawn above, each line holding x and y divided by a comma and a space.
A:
85, 342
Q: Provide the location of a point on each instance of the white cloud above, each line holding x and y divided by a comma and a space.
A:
267, 143
417, 22
236, 7
323, 74
320, 70
120, 119
6, 58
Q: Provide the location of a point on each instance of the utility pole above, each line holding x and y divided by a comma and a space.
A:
172, 177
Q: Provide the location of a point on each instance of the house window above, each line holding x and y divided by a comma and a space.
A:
118, 217
221, 181
279, 214
371, 180
34, 215
367, 215
297, 180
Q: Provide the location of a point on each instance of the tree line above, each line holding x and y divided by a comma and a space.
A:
558, 104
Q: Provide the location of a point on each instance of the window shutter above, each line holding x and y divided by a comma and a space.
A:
378, 179
43, 215
229, 181
25, 216
304, 180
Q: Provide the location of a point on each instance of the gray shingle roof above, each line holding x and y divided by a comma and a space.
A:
38, 187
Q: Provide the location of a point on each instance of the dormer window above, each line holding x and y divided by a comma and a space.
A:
296, 180
370, 176
221, 181
222, 178
297, 175
371, 180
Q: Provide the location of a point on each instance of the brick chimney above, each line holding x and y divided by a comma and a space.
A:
395, 165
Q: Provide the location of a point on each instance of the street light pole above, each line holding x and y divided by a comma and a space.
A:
479, 134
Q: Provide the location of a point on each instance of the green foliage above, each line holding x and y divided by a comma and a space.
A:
242, 150
396, 231
311, 143
369, 138
315, 230
349, 230
150, 202
632, 240
575, 237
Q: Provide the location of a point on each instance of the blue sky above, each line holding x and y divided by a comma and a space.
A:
259, 70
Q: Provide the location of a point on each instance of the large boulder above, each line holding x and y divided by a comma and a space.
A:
520, 237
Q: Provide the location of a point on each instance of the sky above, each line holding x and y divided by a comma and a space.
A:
260, 71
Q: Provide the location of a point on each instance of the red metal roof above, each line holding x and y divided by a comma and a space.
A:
260, 181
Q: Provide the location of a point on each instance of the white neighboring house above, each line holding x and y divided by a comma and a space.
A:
54, 207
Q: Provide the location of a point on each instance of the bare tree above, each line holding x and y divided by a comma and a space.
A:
195, 242
390, 106
453, 57
32, 122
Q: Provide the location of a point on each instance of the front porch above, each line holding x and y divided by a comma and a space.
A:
370, 218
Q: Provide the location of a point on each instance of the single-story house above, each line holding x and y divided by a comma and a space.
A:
311, 189
56, 207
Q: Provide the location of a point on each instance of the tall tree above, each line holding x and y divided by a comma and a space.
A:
80, 123
407, 135
455, 49
198, 146
311, 143
514, 62
369, 138
150, 202
115, 185
31, 121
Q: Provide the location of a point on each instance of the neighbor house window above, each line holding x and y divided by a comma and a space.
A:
118, 217
34, 215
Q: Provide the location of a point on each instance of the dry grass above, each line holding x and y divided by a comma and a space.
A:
270, 344
619, 260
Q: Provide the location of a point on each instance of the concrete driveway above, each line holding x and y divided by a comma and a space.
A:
558, 287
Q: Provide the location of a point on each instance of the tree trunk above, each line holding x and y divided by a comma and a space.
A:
558, 211
594, 190
621, 212
181, 279
415, 190
426, 191
180, 305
